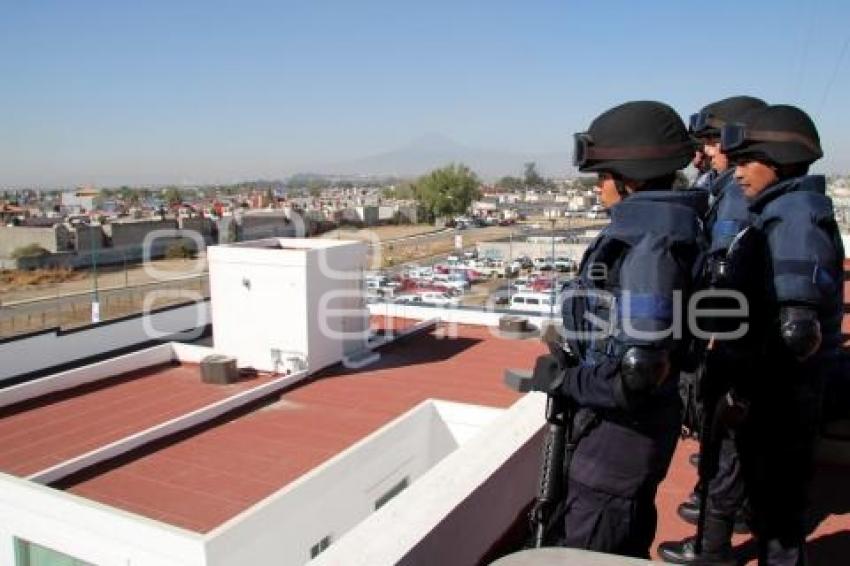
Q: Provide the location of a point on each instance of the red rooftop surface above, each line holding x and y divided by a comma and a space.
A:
45, 431
205, 479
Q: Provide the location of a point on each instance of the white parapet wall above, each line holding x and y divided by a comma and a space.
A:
43, 350
338, 495
88, 531
471, 316
90, 373
454, 514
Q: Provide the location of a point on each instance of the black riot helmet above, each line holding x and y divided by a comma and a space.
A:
780, 134
638, 140
708, 122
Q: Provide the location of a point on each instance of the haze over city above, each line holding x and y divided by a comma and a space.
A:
196, 92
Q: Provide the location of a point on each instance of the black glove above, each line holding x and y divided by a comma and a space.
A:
548, 375
800, 331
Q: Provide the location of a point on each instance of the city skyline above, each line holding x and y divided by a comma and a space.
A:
199, 93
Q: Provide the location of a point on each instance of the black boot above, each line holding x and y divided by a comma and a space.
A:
716, 549
689, 512
693, 499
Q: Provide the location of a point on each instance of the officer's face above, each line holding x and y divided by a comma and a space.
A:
754, 176
606, 188
719, 161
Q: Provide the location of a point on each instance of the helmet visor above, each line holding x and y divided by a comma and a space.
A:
581, 149
702, 123
585, 151
732, 136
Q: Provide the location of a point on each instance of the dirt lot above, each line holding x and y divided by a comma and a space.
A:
11, 280
412, 250
382, 232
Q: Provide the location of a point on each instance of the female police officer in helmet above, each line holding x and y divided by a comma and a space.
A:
619, 325
795, 317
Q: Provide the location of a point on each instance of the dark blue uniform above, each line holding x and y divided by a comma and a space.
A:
727, 218
638, 263
728, 213
799, 263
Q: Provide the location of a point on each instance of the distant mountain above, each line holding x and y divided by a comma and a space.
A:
435, 150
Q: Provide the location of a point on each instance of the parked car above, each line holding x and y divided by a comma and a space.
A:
565, 264
420, 272
453, 280
428, 298
533, 302
491, 268
522, 284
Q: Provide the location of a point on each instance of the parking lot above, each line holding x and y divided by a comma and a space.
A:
463, 279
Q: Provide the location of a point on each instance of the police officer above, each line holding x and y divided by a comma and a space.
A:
727, 217
795, 300
623, 382
705, 174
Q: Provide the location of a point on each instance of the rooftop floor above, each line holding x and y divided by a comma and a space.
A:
202, 480
830, 511
45, 431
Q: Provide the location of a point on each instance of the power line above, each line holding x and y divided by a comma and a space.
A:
804, 53
834, 73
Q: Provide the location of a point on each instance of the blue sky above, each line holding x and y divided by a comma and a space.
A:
194, 91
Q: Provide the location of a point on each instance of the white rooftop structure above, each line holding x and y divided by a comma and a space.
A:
287, 304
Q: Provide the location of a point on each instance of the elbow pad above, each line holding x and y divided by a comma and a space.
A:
800, 330
642, 369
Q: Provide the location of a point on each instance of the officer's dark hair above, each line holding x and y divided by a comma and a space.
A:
792, 170
661, 183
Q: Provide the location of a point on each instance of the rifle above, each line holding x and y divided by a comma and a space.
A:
558, 442
550, 490
722, 410
709, 449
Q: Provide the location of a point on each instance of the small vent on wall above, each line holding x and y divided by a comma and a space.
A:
320, 547
393, 491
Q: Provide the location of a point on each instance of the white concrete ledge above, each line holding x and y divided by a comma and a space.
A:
472, 316
86, 374
90, 531
562, 556
452, 514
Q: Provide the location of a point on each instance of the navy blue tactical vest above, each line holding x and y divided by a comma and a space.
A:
804, 252
728, 214
623, 295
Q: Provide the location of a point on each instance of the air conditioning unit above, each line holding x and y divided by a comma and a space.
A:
219, 369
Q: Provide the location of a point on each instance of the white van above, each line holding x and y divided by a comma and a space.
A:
533, 302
